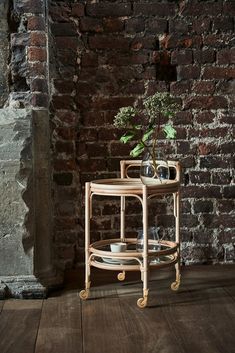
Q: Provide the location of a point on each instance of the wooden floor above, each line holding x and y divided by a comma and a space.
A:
199, 318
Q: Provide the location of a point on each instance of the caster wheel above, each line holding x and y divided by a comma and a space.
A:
84, 294
121, 276
175, 285
142, 302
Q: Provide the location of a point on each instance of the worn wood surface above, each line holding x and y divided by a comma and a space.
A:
1, 305
60, 325
199, 318
19, 321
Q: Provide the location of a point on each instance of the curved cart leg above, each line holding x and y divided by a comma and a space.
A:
142, 302
121, 276
175, 285
85, 292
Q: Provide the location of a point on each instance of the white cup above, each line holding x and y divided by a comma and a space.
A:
118, 247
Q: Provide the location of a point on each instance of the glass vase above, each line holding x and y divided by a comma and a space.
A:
153, 235
154, 167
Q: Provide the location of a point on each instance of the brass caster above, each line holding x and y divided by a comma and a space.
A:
84, 294
175, 285
121, 276
142, 302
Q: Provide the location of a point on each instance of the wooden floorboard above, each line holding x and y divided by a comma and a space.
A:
19, 322
198, 318
1, 305
60, 325
103, 326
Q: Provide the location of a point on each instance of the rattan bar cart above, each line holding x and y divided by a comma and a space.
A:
98, 254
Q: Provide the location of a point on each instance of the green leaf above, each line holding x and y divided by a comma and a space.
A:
139, 148
127, 137
169, 131
147, 134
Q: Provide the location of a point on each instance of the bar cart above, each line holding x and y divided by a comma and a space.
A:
98, 254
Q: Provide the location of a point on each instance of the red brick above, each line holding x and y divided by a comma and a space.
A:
209, 132
221, 178
218, 73
204, 117
63, 29
200, 177
89, 59
206, 148
188, 162
229, 8
128, 59
37, 69
39, 85
204, 56
180, 87
63, 165
216, 221
153, 86
188, 72
204, 87
97, 150
88, 24
203, 206
66, 42
225, 206
182, 57
202, 102
77, 10
153, 8
92, 165
111, 103
227, 147
63, 178
107, 9
66, 118
214, 162
157, 25
62, 102
38, 39
173, 41
223, 24
217, 40
113, 25
67, 57
60, 12
65, 147
109, 134
226, 56
118, 149
65, 133
229, 192
201, 25
37, 54
195, 8
183, 118
36, 23
64, 86
39, 100
199, 191
185, 148
134, 25
108, 42
87, 134
86, 88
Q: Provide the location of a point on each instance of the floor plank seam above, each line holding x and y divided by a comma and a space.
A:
39, 323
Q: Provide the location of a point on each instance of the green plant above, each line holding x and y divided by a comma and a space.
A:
145, 125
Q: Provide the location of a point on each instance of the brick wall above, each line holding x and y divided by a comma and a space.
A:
107, 54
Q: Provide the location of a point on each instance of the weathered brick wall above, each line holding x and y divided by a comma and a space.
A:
107, 54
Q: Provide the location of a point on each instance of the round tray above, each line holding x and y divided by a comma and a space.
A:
131, 260
126, 186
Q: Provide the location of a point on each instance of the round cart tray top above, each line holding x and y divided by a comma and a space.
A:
132, 184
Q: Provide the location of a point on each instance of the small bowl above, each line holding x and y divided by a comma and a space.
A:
118, 247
